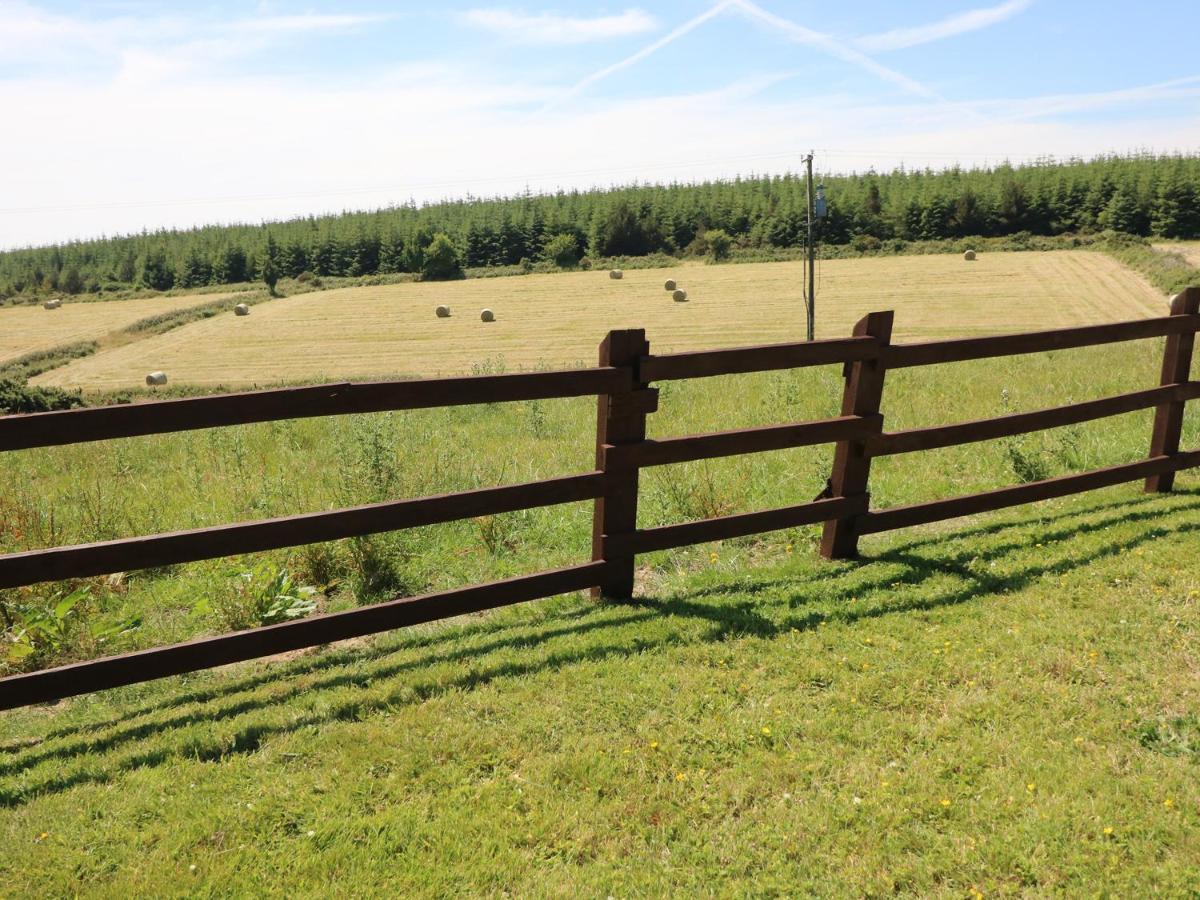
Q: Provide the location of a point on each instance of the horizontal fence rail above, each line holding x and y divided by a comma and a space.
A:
622, 382
83, 560
204, 653
164, 416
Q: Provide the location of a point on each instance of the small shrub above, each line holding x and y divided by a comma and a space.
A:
262, 595
717, 244
441, 259
562, 250
57, 627
18, 397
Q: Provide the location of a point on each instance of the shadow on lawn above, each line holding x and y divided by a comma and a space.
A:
947, 575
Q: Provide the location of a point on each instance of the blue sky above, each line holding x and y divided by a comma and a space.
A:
129, 115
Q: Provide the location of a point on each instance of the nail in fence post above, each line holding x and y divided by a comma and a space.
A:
621, 419
851, 465
1177, 364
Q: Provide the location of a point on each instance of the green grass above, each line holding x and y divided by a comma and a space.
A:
564, 748
966, 710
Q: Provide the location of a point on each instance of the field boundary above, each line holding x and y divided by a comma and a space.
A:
622, 381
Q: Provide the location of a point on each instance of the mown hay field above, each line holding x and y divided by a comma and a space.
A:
1189, 250
559, 319
32, 329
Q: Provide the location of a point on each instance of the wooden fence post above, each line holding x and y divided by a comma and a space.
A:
851, 464
1176, 368
620, 420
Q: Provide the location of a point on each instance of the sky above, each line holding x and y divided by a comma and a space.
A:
129, 115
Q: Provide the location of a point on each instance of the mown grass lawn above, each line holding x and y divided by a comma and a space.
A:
1005, 706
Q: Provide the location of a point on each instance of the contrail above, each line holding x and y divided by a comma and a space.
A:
628, 61
750, 10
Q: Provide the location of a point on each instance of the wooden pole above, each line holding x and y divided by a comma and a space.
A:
620, 421
1176, 369
811, 305
851, 463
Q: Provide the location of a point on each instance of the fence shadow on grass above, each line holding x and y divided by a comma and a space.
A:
786, 603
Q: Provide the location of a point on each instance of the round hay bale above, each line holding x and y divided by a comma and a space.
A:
679, 296
443, 312
670, 285
487, 316
52, 304
241, 310
156, 378
616, 273
969, 256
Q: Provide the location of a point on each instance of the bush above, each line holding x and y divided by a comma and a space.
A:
19, 397
441, 259
717, 244
563, 251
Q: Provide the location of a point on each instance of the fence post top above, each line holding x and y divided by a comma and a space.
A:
1186, 301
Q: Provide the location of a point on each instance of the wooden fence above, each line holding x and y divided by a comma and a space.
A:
623, 382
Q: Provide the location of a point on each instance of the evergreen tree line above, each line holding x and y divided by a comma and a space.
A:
1140, 195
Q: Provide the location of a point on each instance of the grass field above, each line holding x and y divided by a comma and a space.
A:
1003, 705
31, 329
1010, 711
560, 319
1190, 250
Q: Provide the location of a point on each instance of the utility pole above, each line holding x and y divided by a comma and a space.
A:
811, 298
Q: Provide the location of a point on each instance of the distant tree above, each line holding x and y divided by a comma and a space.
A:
717, 243
1177, 209
154, 271
232, 267
563, 251
441, 260
71, 281
1124, 213
270, 265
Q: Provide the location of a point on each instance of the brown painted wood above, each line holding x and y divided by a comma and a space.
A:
205, 653
1177, 366
165, 416
747, 440
971, 504
861, 396
1021, 423
764, 358
724, 527
84, 560
902, 356
620, 421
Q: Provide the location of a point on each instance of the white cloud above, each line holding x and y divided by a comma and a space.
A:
972, 20
43, 39
551, 28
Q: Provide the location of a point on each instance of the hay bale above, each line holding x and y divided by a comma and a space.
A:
969, 256
156, 378
52, 304
679, 296
670, 285
443, 312
487, 316
241, 309
616, 273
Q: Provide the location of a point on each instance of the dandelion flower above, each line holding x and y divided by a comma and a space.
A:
766, 731
1031, 787
1108, 830
945, 802
654, 745
1168, 803
680, 776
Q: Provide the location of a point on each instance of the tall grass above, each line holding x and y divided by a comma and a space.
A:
144, 485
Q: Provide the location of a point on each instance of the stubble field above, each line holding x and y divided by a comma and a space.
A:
559, 319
